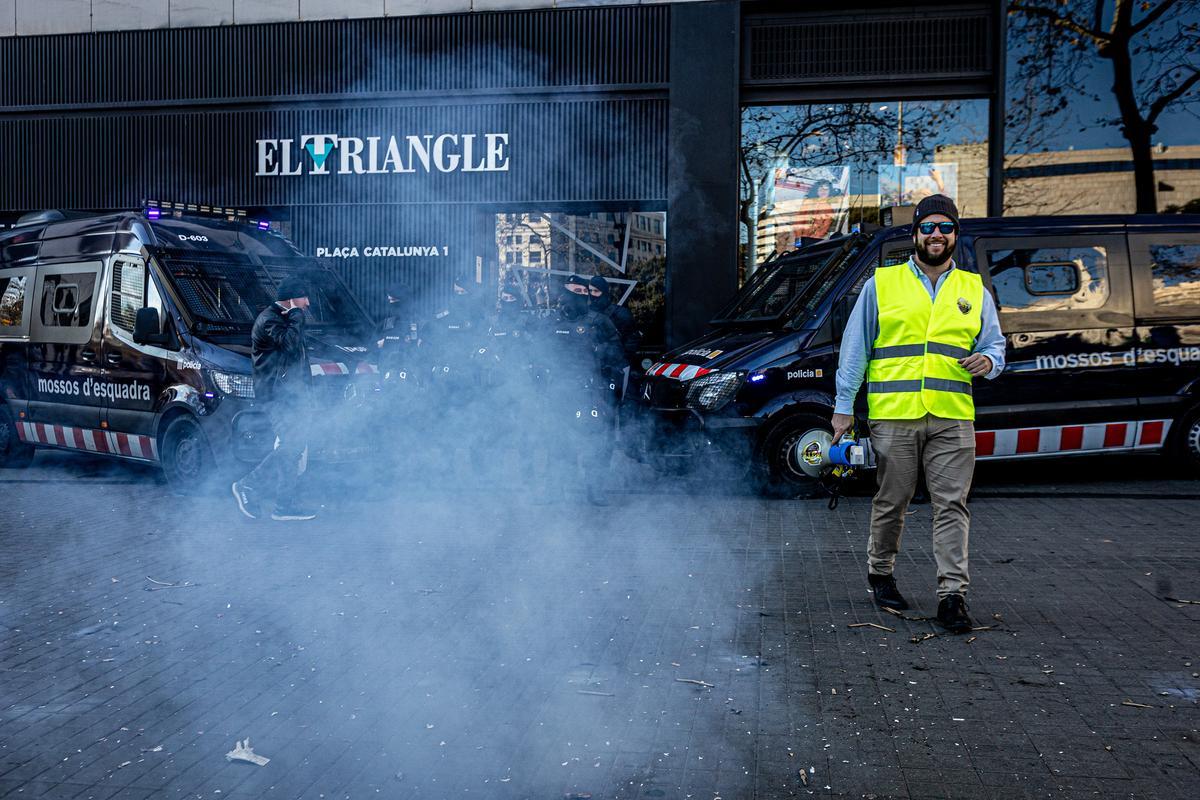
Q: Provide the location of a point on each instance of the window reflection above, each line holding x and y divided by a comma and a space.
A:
813, 171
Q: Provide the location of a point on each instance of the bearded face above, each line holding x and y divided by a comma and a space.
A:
935, 248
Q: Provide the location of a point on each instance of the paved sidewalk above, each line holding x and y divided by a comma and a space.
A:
672, 646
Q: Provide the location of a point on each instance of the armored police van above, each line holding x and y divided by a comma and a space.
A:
128, 335
1101, 316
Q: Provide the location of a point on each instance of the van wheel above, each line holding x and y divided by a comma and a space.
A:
777, 476
1185, 442
187, 461
14, 453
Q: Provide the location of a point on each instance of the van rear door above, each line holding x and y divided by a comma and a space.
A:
1066, 308
1166, 274
64, 354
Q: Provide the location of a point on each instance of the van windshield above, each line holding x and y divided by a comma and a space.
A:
226, 293
793, 286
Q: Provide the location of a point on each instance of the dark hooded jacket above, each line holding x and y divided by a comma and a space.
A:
281, 370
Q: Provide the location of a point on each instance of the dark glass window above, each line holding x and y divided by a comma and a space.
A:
67, 299
12, 300
1175, 272
1049, 278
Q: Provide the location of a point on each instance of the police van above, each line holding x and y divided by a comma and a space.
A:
128, 335
1101, 316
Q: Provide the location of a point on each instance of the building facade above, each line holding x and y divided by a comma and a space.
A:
670, 146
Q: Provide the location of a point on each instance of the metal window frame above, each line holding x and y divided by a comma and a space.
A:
20, 332
1117, 311
62, 334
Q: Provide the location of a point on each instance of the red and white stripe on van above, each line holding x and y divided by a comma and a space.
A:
680, 372
1096, 437
130, 445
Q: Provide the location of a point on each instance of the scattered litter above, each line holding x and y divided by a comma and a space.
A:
595, 694
698, 683
152, 749
124, 764
896, 613
983, 628
957, 719
160, 585
1132, 704
803, 777
244, 752
399, 776
973, 638
924, 637
1185, 602
871, 625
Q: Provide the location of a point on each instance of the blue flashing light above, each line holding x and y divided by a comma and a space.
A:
209, 395
758, 376
264, 225
153, 213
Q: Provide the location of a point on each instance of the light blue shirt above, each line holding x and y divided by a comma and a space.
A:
863, 328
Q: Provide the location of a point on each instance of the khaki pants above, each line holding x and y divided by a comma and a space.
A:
946, 447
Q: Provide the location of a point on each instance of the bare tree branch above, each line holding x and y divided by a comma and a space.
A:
1061, 21
1152, 17
1159, 105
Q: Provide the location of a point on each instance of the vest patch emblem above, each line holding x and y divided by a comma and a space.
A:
963, 305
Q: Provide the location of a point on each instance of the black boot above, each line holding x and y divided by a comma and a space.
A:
952, 614
886, 593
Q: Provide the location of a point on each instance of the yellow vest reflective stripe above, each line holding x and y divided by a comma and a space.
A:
913, 369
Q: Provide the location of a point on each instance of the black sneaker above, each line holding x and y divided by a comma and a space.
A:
952, 614
289, 513
245, 500
886, 593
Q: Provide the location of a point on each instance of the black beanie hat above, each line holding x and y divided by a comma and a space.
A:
599, 282
291, 288
577, 280
935, 204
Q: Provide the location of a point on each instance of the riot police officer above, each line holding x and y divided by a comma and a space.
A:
622, 319
451, 376
583, 361
397, 334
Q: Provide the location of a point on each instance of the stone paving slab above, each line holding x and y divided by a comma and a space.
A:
430, 645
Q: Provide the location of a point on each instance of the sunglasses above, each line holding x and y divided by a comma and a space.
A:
946, 228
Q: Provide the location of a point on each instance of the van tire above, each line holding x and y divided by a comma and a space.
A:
776, 477
185, 457
1184, 447
14, 453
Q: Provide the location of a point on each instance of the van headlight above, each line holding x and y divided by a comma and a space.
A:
234, 383
713, 391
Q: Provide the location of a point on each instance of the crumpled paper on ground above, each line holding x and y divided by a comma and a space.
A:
244, 752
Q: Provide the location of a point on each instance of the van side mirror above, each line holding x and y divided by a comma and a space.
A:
147, 328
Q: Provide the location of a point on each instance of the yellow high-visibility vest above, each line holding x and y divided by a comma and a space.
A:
913, 369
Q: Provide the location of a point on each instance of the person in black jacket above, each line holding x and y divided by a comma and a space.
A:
622, 320
281, 388
583, 361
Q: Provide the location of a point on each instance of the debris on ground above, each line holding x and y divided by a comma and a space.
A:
803, 777
244, 752
871, 625
1185, 602
160, 585
1132, 704
595, 694
698, 683
924, 637
902, 615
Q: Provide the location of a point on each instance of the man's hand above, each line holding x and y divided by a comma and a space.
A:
977, 364
842, 423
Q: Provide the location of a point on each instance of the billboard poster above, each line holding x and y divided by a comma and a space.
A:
810, 202
910, 184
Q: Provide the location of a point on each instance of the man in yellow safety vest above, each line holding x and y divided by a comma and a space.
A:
919, 334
